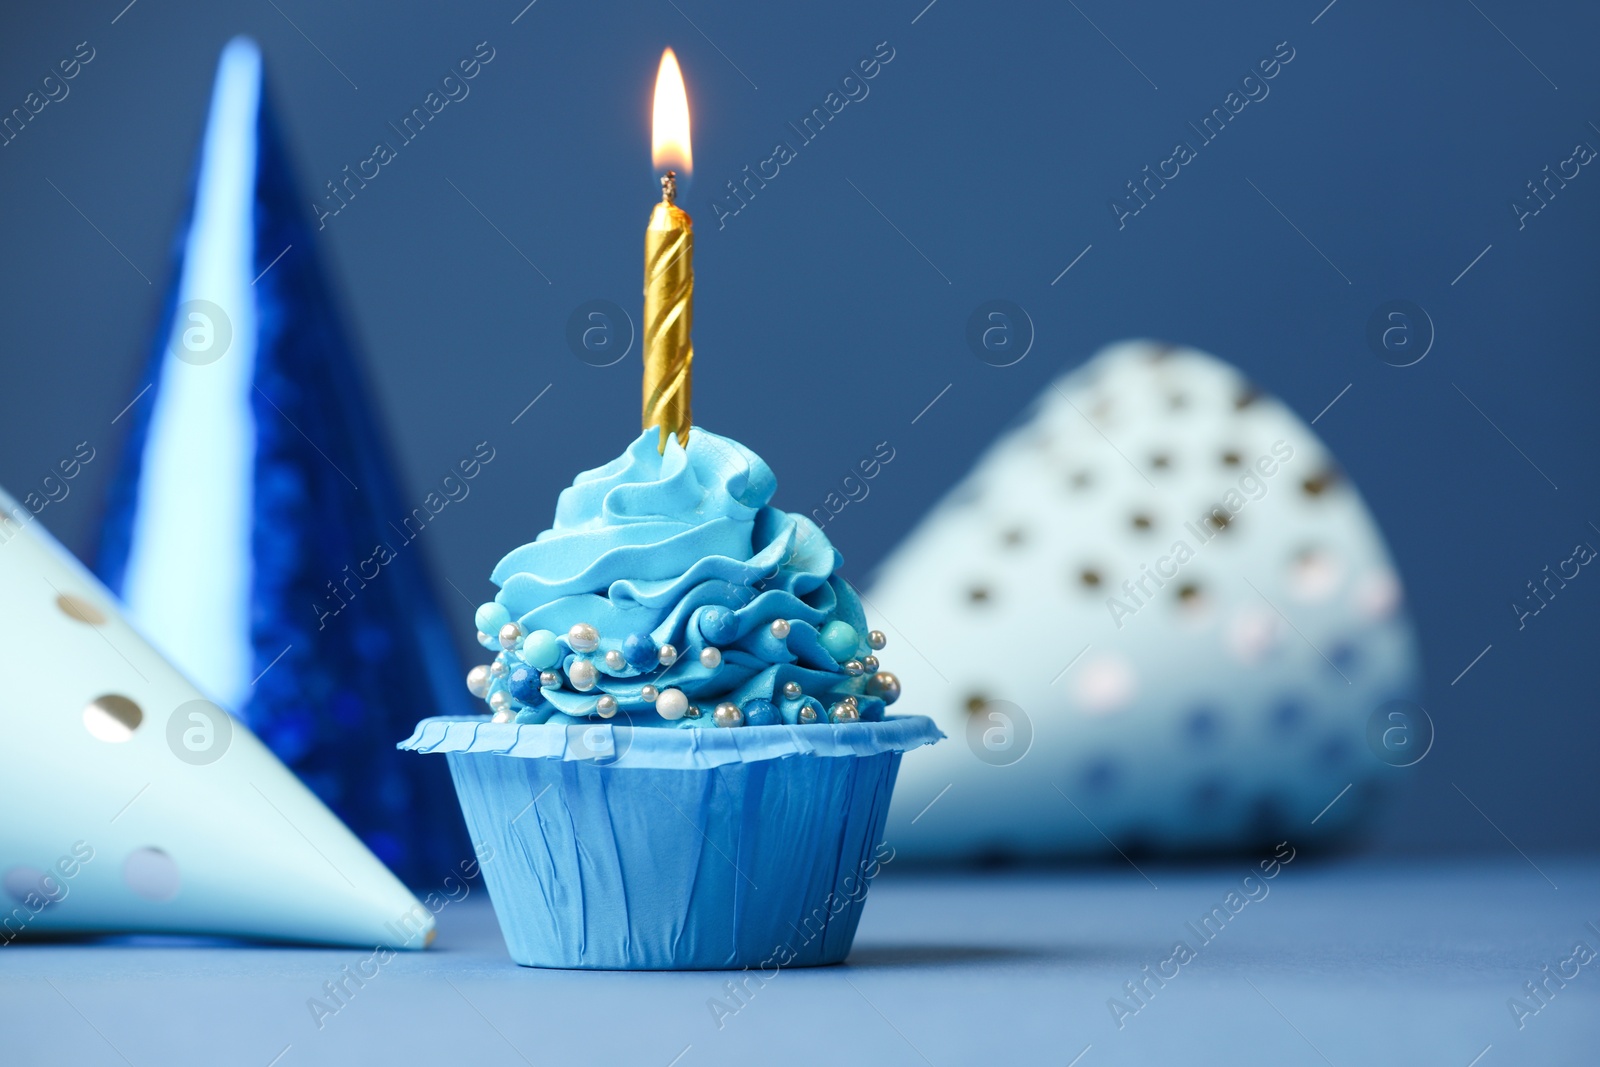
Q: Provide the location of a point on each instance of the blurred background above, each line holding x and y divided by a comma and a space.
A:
1390, 160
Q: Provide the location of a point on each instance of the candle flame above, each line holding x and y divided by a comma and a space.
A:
669, 143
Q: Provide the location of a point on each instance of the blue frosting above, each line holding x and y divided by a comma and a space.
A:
682, 548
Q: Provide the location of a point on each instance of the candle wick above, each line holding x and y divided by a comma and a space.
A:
669, 187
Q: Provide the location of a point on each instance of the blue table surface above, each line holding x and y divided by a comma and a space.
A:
1342, 962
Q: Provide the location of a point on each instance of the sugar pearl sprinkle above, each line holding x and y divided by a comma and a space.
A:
582, 675
583, 637
638, 653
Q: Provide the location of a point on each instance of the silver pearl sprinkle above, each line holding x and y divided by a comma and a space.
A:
808, 714
614, 660
649, 693
510, 635
498, 668
876, 640
693, 712
791, 689
854, 667
500, 701
549, 680
780, 628
843, 712
870, 663
667, 655
478, 681
884, 685
711, 657
728, 714
583, 675
606, 706
583, 638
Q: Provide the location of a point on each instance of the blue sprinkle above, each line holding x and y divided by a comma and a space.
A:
718, 624
640, 651
540, 650
840, 639
523, 684
490, 617
761, 712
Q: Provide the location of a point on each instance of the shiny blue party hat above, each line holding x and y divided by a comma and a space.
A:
254, 531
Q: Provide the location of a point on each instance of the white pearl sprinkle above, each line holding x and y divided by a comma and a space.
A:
606, 706
502, 716
649, 693
478, 681
780, 628
549, 680
672, 704
510, 635
614, 660
500, 701
728, 714
711, 657
667, 655
583, 675
498, 668
583, 638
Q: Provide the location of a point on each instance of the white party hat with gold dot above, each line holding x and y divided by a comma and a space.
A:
1154, 616
130, 803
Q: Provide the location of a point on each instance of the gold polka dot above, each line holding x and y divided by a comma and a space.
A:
1230, 459
1319, 483
1090, 577
978, 594
112, 718
1141, 522
80, 610
976, 703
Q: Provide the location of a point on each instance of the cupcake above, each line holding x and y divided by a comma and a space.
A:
685, 760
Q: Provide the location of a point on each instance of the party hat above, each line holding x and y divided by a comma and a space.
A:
135, 804
254, 532
1205, 642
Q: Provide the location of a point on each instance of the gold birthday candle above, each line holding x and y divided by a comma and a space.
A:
669, 267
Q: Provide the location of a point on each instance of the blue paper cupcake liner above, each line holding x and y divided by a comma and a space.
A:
638, 848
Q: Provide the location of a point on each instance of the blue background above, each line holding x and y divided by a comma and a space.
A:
1395, 141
